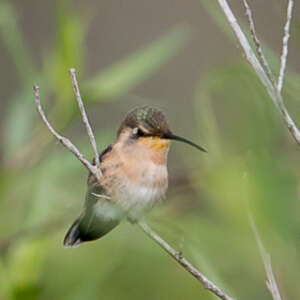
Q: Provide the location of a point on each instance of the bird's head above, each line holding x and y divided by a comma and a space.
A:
148, 127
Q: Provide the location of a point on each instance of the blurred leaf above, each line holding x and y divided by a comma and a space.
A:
19, 117
71, 30
130, 72
54, 184
68, 52
222, 104
25, 267
275, 193
205, 265
5, 283
13, 40
18, 123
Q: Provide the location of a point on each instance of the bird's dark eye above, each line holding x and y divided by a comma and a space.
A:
137, 132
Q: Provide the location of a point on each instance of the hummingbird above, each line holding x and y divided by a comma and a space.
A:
135, 176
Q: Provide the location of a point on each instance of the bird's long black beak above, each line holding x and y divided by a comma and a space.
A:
172, 136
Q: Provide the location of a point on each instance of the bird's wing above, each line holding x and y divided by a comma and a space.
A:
100, 215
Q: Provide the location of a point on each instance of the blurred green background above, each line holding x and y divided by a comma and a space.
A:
179, 56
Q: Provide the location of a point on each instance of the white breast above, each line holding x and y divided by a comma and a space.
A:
148, 189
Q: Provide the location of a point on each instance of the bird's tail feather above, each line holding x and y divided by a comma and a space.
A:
88, 228
72, 238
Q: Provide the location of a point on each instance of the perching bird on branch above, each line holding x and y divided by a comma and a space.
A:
135, 176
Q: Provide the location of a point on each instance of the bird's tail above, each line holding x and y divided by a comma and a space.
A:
88, 228
72, 238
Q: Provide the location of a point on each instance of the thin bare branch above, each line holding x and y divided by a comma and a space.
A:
251, 57
85, 119
285, 42
271, 281
184, 262
66, 142
257, 43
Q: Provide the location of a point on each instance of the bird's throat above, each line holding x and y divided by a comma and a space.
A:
155, 143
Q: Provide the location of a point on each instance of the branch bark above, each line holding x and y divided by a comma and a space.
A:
285, 42
271, 87
95, 170
209, 285
256, 40
85, 121
63, 140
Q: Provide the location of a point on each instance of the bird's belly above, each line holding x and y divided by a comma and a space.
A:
138, 198
141, 192
136, 187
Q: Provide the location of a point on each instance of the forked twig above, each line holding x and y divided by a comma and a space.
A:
95, 170
271, 88
285, 42
66, 142
271, 281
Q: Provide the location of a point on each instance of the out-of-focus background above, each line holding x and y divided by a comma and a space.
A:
182, 57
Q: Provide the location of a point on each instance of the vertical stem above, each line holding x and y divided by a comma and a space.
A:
85, 120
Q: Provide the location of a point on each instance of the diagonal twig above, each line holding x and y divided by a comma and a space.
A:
85, 119
95, 171
251, 57
285, 42
271, 281
257, 43
184, 262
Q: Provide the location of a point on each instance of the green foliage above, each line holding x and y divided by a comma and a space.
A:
251, 166
247, 170
20, 120
14, 42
